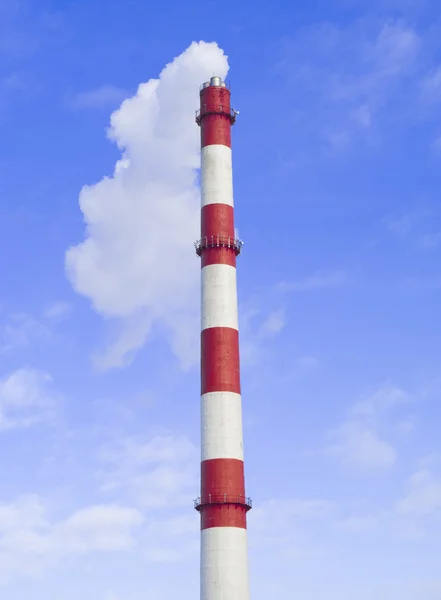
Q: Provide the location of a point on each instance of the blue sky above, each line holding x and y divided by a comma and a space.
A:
337, 154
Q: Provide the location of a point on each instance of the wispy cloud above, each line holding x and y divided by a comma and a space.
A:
299, 508
403, 224
273, 324
358, 524
350, 74
173, 540
287, 525
263, 319
57, 311
20, 330
258, 329
431, 240
307, 363
358, 445
424, 496
410, 222
421, 284
420, 226
31, 542
103, 97
157, 472
316, 281
381, 401
26, 398
431, 87
358, 440
409, 516
436, 145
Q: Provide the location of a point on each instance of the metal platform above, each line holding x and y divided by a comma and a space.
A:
218, 241
211, 499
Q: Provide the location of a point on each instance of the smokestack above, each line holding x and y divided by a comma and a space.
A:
223, 505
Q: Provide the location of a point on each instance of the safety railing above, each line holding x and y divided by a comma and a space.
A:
215, 109
239, 500
218, 241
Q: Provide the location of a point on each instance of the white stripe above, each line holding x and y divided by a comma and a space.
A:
221, 424
219, 297
224, 564
216, 175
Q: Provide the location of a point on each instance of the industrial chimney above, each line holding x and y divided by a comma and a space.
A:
222, 504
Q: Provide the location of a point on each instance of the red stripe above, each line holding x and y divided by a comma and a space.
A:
221, 476
218, 256
220, 360
215, 128
213, 96
217, 219
223, 515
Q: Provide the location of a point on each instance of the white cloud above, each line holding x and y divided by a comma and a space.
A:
105, 96
157, 473
313, 282
420, 226
424, 496
409, 222
431, 87
257, 330
19, 331
430, 461
287, 525
401, 225
358, 524
298, 508
395, 49
132, 334
31, 542
173, 539
273, 324
97, 528
380, 401
406, 426
26, 398
362, 115
159, 449
161, 476
358, 441
307, 363
281, 517
57, 311
431, 240
436, 145
389, 522
137, 263
362, 447
27, 511
350, 74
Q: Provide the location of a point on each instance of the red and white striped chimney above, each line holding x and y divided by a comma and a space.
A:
222, 504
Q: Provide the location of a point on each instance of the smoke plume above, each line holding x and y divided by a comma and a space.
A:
137, 263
